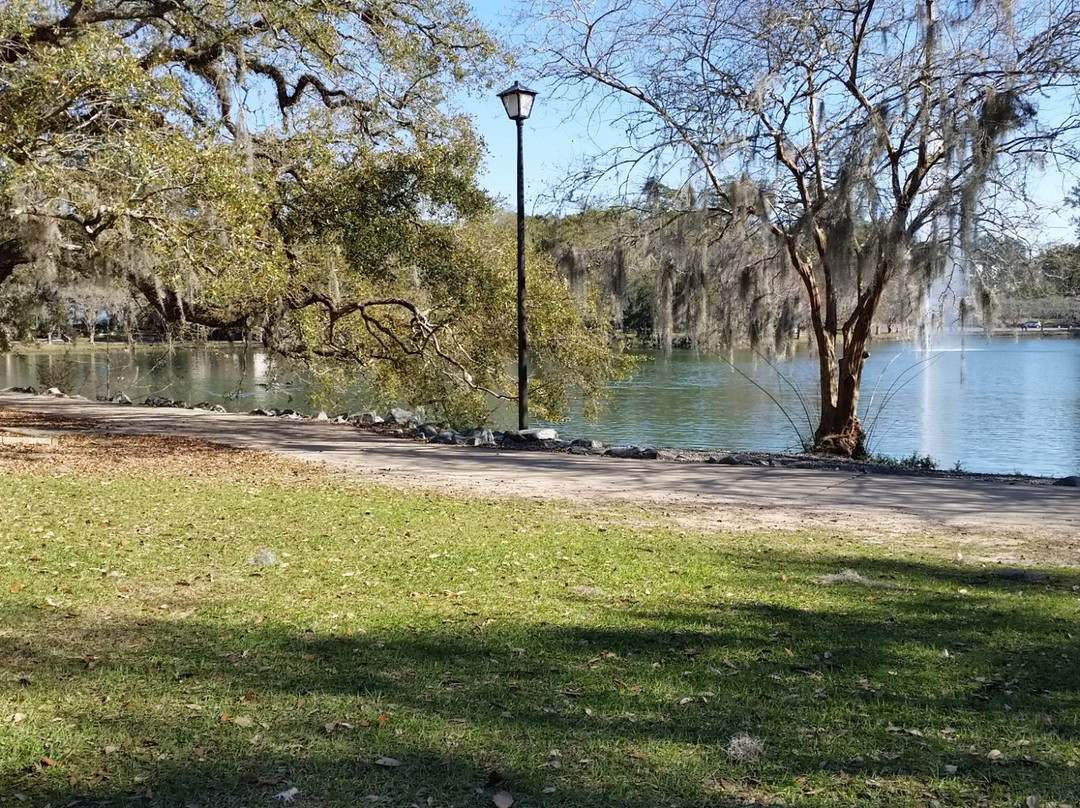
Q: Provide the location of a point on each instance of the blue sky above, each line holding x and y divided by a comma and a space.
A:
557, 136
551, 144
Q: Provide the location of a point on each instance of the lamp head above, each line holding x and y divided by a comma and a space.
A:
518, 101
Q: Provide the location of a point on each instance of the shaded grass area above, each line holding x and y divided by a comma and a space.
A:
416, 649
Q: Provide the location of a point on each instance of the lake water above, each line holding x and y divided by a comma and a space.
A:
995, 405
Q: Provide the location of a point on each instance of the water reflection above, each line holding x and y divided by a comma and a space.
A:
997, 405
236, 378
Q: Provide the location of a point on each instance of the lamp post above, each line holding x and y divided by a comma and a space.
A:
518, 102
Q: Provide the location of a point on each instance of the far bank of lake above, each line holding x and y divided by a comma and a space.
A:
999, 405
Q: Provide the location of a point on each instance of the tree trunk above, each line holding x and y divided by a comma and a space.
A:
665, 304
840, 431
618, 285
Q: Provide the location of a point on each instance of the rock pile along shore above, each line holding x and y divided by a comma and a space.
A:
404, 423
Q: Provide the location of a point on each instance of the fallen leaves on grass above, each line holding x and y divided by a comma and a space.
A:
554, 760
263, 558
588, 591
846, 576
145, 456
744, 748
891, 727
602, 655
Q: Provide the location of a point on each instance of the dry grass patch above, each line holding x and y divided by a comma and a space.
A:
84, 448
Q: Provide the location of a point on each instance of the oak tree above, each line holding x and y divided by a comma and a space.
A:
289, 168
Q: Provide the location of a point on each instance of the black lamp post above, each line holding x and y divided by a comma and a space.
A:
518, 101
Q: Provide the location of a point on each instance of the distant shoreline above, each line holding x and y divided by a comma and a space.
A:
105, 342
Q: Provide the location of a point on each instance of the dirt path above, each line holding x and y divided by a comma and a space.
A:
1015, 522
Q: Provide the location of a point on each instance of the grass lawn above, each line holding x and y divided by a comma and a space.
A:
215, 637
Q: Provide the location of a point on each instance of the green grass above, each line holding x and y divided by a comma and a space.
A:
569, 658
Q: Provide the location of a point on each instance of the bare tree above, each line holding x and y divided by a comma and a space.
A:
887, 134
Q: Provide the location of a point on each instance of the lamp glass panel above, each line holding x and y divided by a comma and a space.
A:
525, 102
512, 103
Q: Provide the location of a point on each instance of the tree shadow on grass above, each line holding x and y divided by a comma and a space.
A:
857, 695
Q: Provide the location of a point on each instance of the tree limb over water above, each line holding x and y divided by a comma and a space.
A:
279, 167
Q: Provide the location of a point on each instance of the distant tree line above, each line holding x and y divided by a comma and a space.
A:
666, 274
670, 272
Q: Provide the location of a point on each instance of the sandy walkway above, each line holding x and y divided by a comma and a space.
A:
1015, 521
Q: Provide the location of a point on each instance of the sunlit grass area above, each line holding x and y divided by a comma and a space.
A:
175, 639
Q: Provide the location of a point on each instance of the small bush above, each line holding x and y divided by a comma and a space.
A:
61, 372
912, 461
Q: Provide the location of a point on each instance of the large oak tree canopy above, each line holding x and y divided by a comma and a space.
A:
288, 167
884, 137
